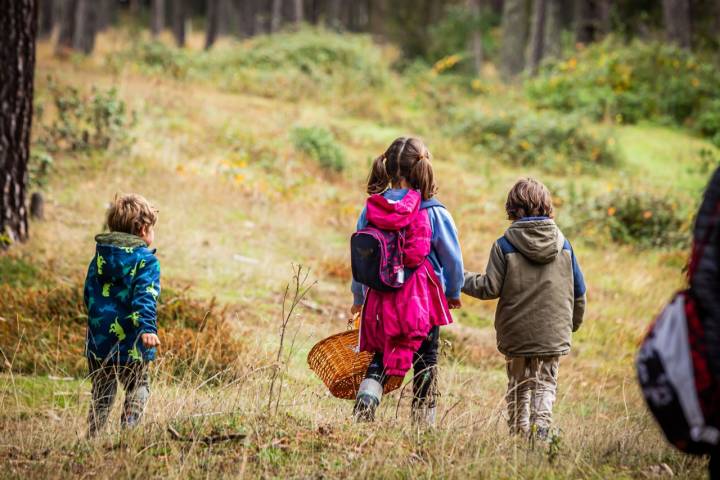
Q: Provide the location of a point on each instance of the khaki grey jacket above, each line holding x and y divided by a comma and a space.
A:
534, 272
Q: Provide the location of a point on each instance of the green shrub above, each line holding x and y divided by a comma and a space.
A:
709, 121
629, 83
82, 122
319, 144
625, 217
551, 141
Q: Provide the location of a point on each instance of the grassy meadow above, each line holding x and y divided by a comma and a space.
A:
256, 155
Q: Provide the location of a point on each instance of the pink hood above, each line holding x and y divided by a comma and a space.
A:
388, 215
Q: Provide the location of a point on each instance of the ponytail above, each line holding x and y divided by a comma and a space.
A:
379, 179
422, 178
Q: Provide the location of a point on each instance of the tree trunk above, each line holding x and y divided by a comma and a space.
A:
514, 37
17, 56
276, 16
179, 22
298, 10
105, 14
334, 13
211, 30
66, 24
157, 23
45, 24
592, 20
536, 46
553, 29
85, 25
134, 6
676, 15
476, 45
246, 20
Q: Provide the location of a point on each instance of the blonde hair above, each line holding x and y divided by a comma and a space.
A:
129, 213
528, 198
407, 158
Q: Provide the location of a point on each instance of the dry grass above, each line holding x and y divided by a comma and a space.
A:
237, 207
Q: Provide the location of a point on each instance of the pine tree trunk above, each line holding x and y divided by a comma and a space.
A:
17, 56
246, 17
179, 22
85, 25
298, 10
592, 20
514, 37
211, 30
553, 29
334, 13
66, 24
476, 45
157, 23
276, 16
676, 15
45, 24
536, 46
104, 14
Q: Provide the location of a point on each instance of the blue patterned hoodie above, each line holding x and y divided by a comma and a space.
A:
121, 292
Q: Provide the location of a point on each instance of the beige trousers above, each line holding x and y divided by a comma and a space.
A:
532, 383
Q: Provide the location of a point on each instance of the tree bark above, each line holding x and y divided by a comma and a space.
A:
179, 22
17, 56
211, 30
592, 20
66, 24
45, 24
536, 46
553, 29
157, 23
476, 45
298, 10
276, 16
514, 37
85, 25
676, 15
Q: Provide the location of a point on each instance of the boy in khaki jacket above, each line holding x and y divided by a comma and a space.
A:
533, 271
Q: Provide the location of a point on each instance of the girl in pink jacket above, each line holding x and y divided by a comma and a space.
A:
401, 327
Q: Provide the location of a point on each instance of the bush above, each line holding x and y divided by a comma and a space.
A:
626, 217
319, 144
42, 331
709, 121
546, 140
84, 122
629, 83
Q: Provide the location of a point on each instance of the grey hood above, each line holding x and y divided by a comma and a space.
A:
537, 240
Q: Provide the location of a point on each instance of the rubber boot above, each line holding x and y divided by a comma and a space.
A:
423, 411
367, 400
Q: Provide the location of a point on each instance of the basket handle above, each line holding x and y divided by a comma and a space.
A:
354, 322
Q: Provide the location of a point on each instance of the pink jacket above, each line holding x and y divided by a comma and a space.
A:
397, 322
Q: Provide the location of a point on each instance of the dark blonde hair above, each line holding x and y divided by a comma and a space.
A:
407, 158
130, 213
528, 198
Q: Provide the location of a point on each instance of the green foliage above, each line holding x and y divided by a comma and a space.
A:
550, 141
319, 144
16, 271
82, 123
39, 167
156, 57
626, 216
708, 121
631, 82
451, 35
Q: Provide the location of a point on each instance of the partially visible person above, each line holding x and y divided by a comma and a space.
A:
705, 286
121, 293
533, 271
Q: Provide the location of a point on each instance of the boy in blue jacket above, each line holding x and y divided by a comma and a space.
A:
121, 292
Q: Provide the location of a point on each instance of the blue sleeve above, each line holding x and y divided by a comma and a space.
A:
358, 290
145, 293
446, 245
578, 277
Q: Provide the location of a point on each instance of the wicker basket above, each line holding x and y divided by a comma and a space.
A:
341, 368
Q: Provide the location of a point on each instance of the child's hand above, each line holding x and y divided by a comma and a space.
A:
150, 340
355, 309
454, 303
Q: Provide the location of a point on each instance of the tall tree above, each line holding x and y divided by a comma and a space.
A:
179, 12
476, 46
158, 17
553, 29
298, 10
45, 24
536, 45
85, 25
276, 15
514, 37
212, 21
65, 19
676, 15
17, 56
592, 20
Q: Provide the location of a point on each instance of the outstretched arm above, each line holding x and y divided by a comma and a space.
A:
446, 244
487, 286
